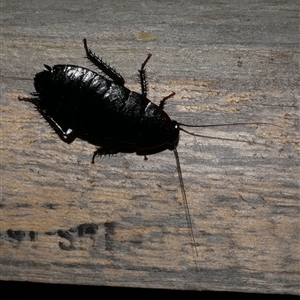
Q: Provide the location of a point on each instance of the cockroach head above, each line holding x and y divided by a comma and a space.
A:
174, 138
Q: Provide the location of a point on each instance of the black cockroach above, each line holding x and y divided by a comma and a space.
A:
80, 103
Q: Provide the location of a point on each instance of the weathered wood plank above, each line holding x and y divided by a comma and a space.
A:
121, 221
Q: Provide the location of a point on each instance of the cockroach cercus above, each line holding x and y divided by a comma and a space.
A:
80, 103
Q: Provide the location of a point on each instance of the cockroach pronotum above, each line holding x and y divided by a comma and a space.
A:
80, 103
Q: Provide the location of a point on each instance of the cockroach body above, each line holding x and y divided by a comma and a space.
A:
79, 103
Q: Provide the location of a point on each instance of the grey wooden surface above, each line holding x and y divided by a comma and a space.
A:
121, 221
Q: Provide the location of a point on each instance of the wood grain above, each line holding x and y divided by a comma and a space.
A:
121, 221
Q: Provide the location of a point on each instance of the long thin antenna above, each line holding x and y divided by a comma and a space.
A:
225, 124
214, 137
185, 203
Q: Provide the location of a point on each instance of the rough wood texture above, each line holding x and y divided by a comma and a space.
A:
121, 221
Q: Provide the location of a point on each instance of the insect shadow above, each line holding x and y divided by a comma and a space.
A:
80, 103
